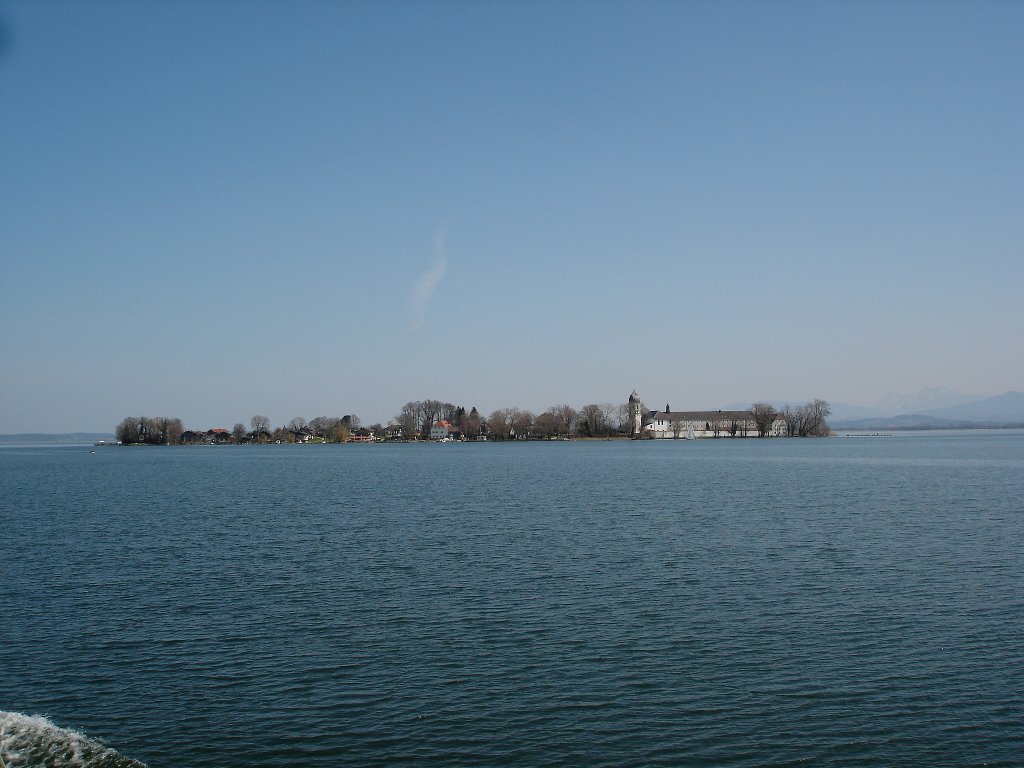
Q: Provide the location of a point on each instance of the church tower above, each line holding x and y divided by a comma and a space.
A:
635, 418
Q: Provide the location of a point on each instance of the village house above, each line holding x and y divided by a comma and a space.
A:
218, 436
443, 430
215, 436
258, 436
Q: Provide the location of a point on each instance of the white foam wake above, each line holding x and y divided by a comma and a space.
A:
27, 741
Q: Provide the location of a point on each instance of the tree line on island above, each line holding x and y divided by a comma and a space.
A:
807, 420
418, 420
160, 430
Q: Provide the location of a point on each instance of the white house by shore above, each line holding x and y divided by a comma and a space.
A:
441, 430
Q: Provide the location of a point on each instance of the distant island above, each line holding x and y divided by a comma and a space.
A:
437, 420
68, 438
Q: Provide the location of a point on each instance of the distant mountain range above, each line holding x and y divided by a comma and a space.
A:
999, 411
933, 408
927, 399
66, 437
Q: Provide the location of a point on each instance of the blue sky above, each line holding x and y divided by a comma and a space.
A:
213, 210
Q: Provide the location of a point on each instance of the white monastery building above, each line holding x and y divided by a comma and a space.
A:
694, 424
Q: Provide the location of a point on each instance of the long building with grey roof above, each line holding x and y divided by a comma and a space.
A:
696, 424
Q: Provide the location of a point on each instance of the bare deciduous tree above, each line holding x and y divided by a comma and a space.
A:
523, 424
321, 426
172, 431
763, 415
548, 424
591, 420
260, 428
817, 413
567, 416
128, 431
808, 420
502, 422
409, 420
610, 417
473, 423
158, 430
793, 416
625, 420
418, 416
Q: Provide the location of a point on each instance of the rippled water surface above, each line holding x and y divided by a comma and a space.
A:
723, 603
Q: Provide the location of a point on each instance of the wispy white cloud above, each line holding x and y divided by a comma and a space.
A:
429, 281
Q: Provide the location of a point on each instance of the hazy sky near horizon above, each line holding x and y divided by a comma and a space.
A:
217, 209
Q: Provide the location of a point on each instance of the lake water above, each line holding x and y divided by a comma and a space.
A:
849, 601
